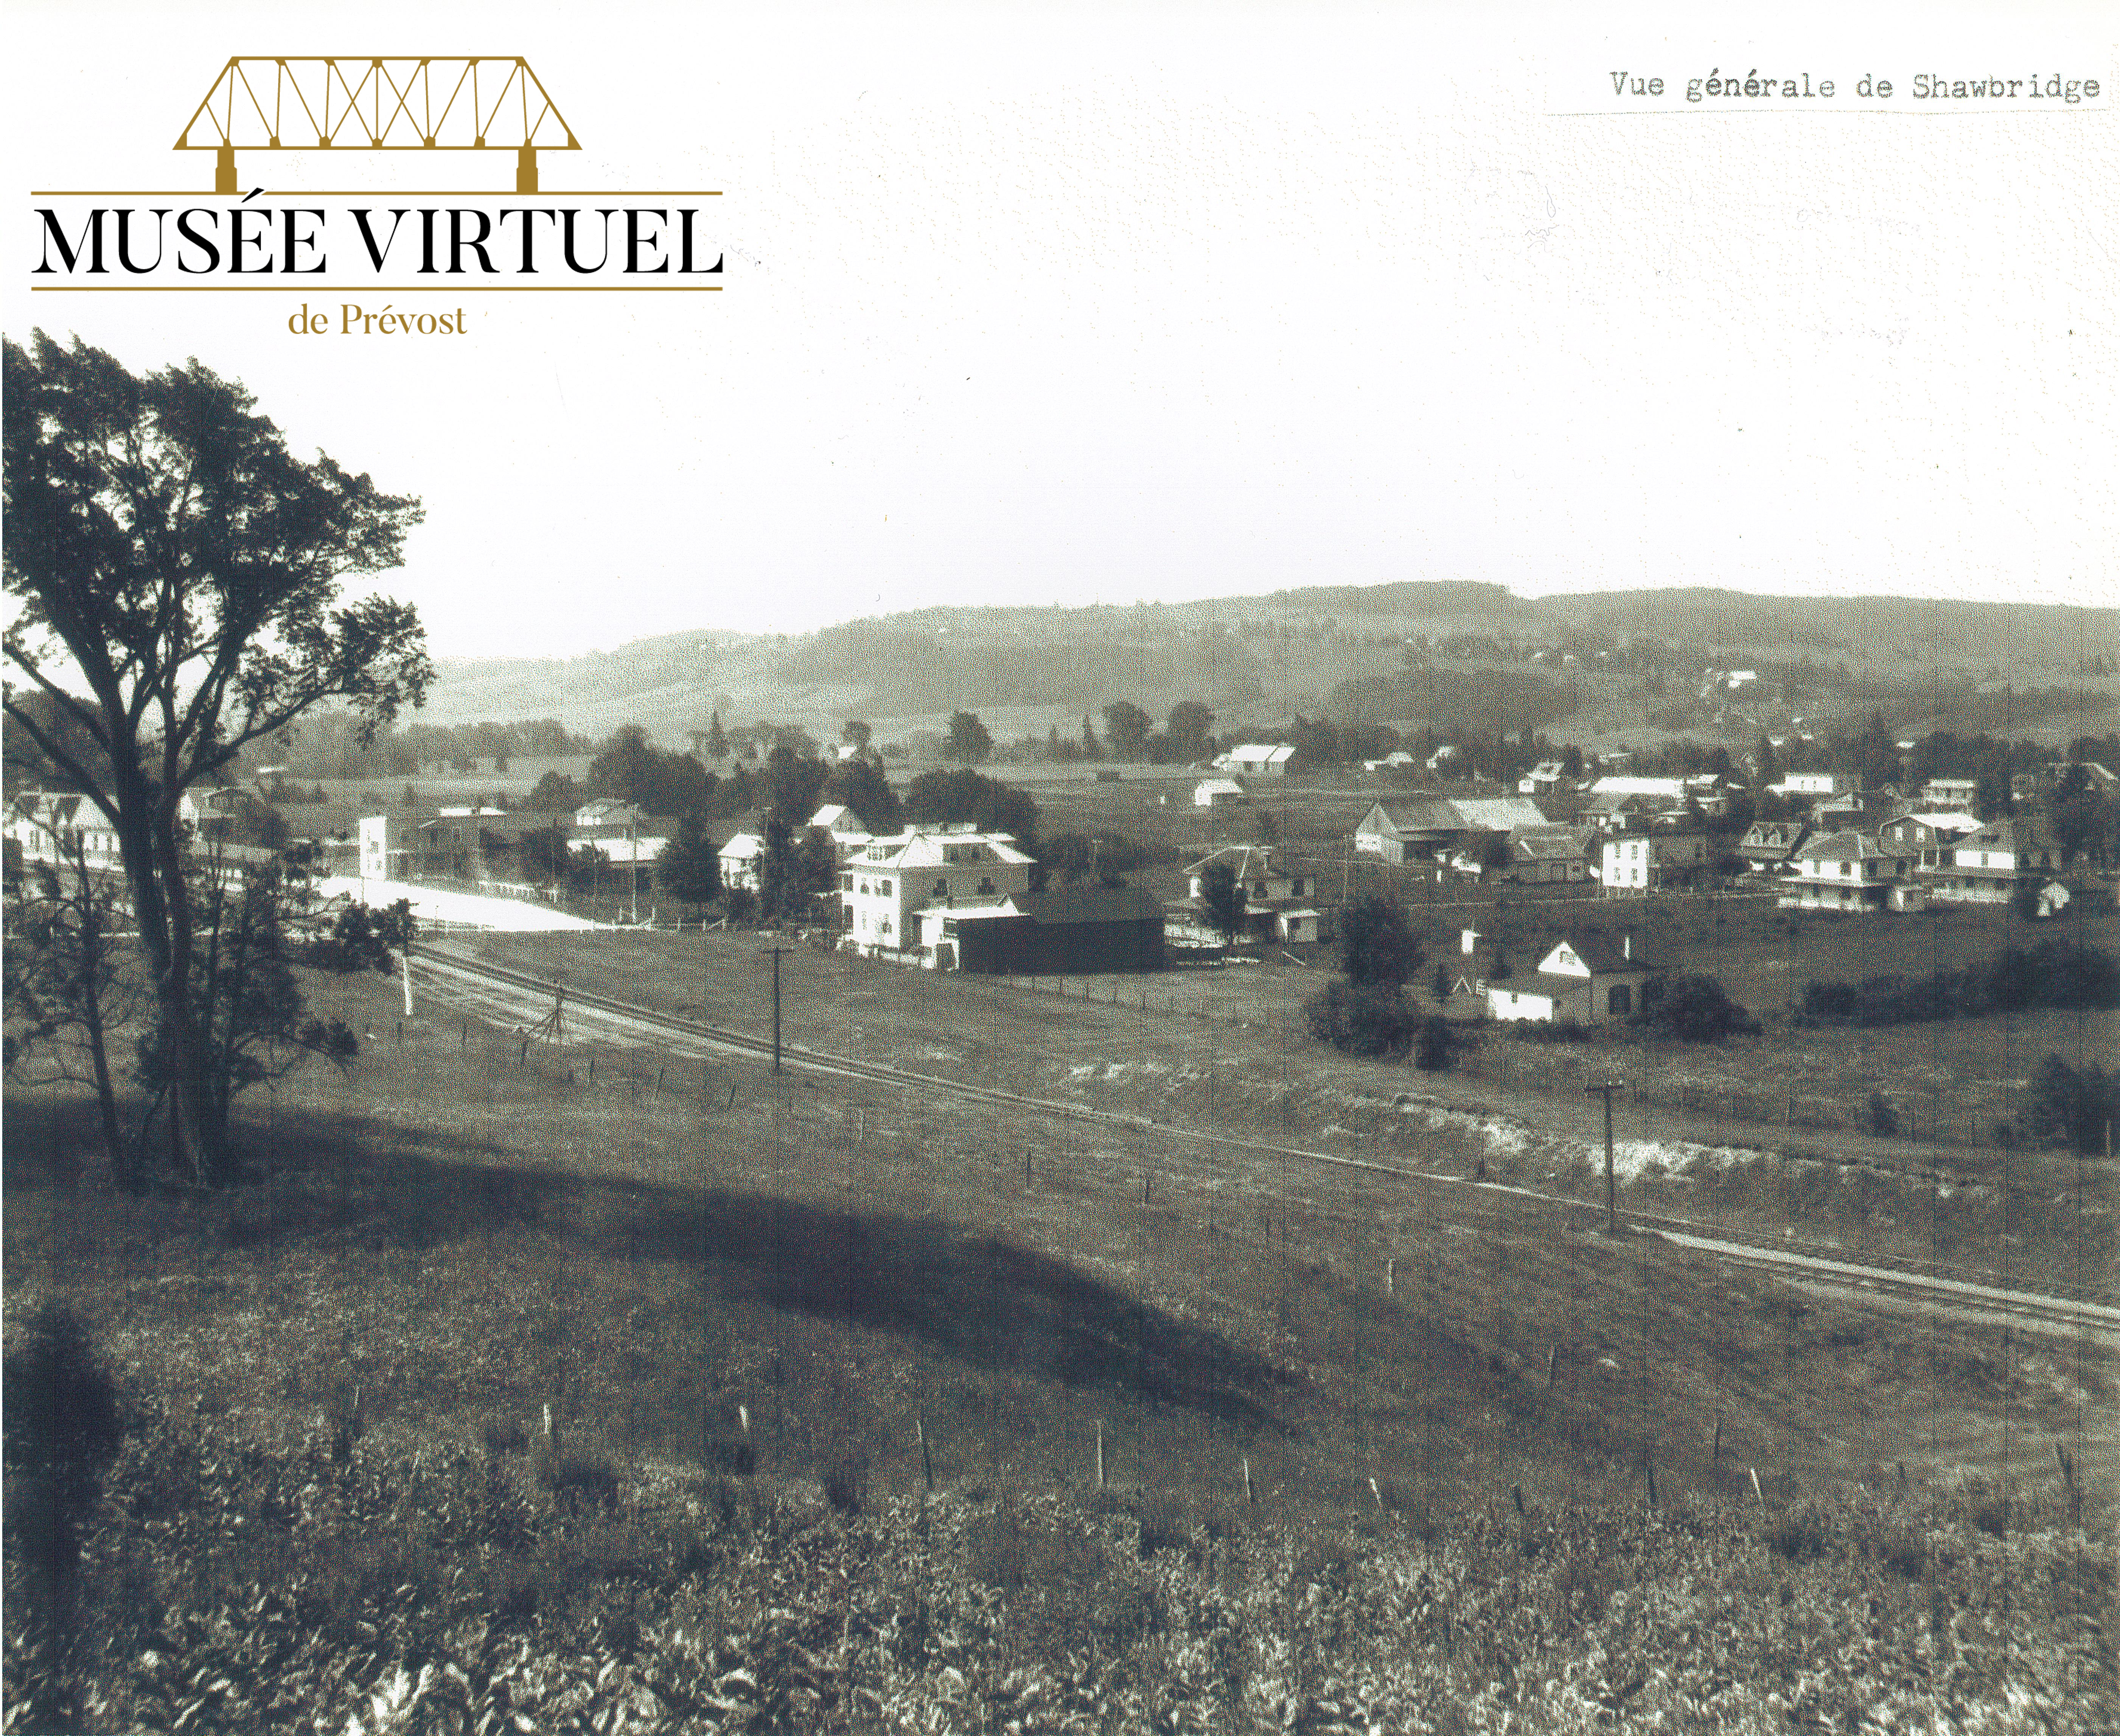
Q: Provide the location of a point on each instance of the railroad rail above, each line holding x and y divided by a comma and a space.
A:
1795, 1264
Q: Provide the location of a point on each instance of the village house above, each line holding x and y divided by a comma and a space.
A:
1853, 810
844, 827
1768, 844
52, 826
1659, 862
1616, 810
1993, 865
1588, 978
1943, 792
217, 814
1280, 895
884, 885
1219, 792
1812, 783
1545, 778
740, 859
1850, 872
1259, 759
1924, 837
1549, 855
1398, 760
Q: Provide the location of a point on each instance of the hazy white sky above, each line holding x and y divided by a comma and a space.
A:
1079, 303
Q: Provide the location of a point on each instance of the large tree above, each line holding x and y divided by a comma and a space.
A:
1126, 728
175, 571
969, 742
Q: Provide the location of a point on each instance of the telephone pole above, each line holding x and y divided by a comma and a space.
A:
1611, 1208
776, 951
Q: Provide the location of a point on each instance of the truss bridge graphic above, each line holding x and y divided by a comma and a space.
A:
403, 102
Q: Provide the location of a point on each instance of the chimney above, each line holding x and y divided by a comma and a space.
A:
1627, 945
1467, 939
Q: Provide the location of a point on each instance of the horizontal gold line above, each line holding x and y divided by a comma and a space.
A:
376, 289
370, 193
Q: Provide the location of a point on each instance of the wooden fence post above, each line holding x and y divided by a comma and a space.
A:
927, 1463
1251, 1500
1101, 1457
1756, 1489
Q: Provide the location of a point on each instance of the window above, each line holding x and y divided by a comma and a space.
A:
883, 890
986, 887
1620, 1000
941, 889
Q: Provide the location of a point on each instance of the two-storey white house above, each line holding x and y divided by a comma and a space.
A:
1990, 866
885, 884
1652, 861
1852, 871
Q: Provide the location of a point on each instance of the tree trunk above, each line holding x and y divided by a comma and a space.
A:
154, 868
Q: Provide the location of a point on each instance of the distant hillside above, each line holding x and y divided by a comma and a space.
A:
1457, 654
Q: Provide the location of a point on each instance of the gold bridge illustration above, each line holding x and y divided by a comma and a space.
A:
358, 102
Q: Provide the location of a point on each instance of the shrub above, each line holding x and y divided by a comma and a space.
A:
1884, 1119
1693, 1009
1360, 1020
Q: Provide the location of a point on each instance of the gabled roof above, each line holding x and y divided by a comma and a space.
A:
1599, 951
1218, 786
1263, 753
1247, 861
2016, 833
744, 845
1548, 843
1495, 813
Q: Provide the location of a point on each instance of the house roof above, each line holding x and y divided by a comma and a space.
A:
1601, 952
743, 846
1069, 904
929, 849
1672, 788
1839, 846
2012, 834
1264, 753
1495, 813
1218, 786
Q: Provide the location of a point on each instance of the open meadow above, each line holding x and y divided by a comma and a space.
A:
1229, 1434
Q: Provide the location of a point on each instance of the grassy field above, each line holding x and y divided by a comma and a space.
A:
764, 1311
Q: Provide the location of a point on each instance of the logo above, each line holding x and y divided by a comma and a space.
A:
453, 109
327, 102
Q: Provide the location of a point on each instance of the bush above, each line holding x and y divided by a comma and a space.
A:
1693, 1009
1361, 1020
1884, 1119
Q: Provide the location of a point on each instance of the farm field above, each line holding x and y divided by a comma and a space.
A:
790, 1303
1252, 1070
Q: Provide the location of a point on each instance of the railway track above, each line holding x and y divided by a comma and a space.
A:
1801, 1266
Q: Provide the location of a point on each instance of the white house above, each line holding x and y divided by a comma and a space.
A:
1398, 830
842, 826
1945, 792
1652, 863
889, 881
740, 858
1588, 978
1260, 760
1396, 760
50, 826
1811, 783
1990, 866
1542, 779
1848, 871
1219, 792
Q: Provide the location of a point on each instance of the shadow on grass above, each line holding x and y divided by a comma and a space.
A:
988, 1301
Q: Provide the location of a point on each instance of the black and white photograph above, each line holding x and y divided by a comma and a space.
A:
1069, 867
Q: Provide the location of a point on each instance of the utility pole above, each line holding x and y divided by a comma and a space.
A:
1611, 1208
776, 951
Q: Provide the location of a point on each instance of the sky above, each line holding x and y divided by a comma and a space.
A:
1095, 304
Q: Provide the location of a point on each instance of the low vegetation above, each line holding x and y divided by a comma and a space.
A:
2058, 973
339, 1583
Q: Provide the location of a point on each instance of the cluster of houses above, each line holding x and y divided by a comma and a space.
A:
58, 827
483, 844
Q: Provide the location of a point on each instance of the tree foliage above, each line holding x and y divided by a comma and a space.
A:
968, 742
1126, 729
1377, 945
175, 571
689, 868
1692, 1008
1222, 901
1370, 1019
